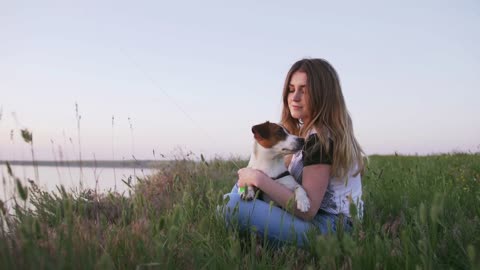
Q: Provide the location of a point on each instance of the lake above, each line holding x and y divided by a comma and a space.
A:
50, 176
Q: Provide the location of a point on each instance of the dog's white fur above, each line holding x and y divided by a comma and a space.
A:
271, 162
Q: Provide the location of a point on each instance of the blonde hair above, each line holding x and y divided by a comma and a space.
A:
329, 116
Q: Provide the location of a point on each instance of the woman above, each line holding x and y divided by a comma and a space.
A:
329, 167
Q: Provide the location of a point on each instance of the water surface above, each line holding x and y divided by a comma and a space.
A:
103, 179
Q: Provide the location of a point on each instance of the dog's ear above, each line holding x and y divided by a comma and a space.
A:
261, 131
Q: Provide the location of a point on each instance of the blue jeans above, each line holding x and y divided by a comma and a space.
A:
279, 226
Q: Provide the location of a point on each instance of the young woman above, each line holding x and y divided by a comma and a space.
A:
329, 166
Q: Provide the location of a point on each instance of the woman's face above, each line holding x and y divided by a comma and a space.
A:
297, 97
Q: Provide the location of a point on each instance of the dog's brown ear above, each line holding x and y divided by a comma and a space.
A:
261, 131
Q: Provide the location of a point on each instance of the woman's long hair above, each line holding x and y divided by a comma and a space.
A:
329, 116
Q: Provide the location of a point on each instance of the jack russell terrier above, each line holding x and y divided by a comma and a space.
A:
272, 143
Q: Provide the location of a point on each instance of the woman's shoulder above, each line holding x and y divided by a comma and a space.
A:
313, 135
315, 152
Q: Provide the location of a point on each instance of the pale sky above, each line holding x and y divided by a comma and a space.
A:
196, 75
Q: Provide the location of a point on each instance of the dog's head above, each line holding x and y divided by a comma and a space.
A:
276, 138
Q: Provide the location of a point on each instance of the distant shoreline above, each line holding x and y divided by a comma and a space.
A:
89, 163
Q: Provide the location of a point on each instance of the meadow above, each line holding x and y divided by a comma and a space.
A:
421, 212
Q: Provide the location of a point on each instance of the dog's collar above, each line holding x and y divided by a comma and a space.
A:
285, 173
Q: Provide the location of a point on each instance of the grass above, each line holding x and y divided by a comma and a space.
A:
420, 213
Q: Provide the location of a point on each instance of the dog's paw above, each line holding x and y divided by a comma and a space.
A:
248, 194
303, 203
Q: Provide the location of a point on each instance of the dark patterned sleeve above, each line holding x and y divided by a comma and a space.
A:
315, 153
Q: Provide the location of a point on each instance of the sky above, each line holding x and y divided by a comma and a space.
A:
194, 76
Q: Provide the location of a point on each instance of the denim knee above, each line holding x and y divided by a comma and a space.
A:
231, 202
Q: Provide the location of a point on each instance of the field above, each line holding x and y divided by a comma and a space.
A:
420, 213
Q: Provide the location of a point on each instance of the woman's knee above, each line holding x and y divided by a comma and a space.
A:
231, 202
232, 199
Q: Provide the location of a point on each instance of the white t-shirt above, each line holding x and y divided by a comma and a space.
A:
339, 193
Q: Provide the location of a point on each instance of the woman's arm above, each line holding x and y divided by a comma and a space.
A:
315, 182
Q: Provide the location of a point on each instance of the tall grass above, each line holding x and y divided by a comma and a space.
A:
113, 153
78, 117
420, 213
28, 138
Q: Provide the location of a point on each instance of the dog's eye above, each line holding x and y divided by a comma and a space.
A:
280, 132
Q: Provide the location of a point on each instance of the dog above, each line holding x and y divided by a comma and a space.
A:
272, 143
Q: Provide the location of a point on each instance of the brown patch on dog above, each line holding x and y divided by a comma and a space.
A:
268, 134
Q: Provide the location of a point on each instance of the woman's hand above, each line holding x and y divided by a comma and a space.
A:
249, 177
